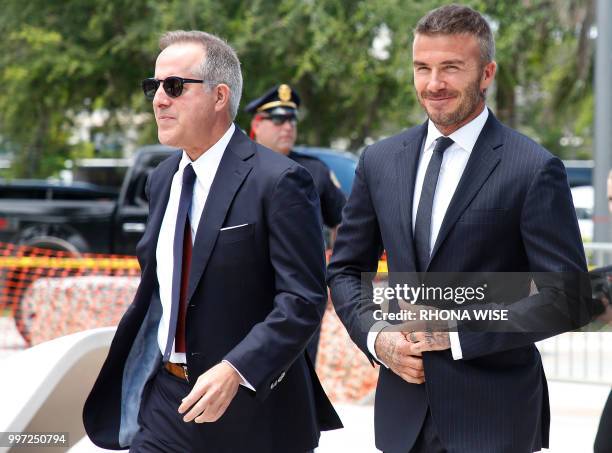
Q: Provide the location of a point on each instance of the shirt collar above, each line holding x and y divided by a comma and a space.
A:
210, 157
465, 136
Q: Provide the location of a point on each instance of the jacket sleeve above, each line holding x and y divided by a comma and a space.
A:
357, 250
298, 259
552, 242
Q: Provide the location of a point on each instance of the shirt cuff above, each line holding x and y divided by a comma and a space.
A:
243, 381
371, 340
455, 345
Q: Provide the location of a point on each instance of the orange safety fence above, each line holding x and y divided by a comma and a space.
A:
45, 294
35, 283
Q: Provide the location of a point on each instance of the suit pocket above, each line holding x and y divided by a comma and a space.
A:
484, 216
236, 234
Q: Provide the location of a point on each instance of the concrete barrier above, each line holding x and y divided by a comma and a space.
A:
43, 388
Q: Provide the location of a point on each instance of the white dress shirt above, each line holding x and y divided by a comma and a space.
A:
453, 163
205, 168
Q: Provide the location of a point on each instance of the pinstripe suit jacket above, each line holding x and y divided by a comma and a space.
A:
512, 212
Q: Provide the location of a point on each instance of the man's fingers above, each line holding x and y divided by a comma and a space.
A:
414, 368
412, 373
427, 341
202, 406
416, 363
192, 398
393, 348
209, 409
213, 412
412, 379
415, 337
433, 341
408, 366
406, 348
409, 360
424, 347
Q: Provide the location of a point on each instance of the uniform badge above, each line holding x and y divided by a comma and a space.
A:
284, 92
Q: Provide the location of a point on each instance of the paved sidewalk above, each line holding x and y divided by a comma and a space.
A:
575, 411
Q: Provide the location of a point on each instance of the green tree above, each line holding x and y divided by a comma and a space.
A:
545, 57
61, 59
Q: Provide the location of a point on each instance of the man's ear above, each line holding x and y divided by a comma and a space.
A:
222, 92
488, 74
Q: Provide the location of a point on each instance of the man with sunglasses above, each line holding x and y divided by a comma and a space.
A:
274, 124
210, 355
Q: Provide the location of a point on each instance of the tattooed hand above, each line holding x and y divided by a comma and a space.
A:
395, 351
428, 340
424, 334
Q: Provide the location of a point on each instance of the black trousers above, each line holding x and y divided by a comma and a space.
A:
162, 429
428, 440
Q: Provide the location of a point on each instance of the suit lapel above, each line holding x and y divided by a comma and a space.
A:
232, 171
156, 215
407, 160
484, 158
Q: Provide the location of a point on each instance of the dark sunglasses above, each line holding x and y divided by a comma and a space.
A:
279, 120
173, 86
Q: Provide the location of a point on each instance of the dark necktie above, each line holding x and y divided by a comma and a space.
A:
422, 226
182, 260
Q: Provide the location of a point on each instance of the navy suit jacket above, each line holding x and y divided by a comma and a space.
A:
256, 295
512, 212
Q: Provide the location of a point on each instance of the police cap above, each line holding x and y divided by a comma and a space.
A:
278, 100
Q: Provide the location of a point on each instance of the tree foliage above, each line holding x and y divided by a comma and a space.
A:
545, 58
61, 59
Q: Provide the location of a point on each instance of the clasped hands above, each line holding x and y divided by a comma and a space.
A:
401, 347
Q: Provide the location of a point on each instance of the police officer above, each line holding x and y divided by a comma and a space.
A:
274, 124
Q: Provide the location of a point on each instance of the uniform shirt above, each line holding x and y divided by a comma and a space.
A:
331, 197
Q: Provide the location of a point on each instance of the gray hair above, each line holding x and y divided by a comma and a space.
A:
220, 64
459, 19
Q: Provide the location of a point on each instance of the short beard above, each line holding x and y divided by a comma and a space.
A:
473, 97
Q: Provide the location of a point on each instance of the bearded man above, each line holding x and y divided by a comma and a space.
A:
459, 193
